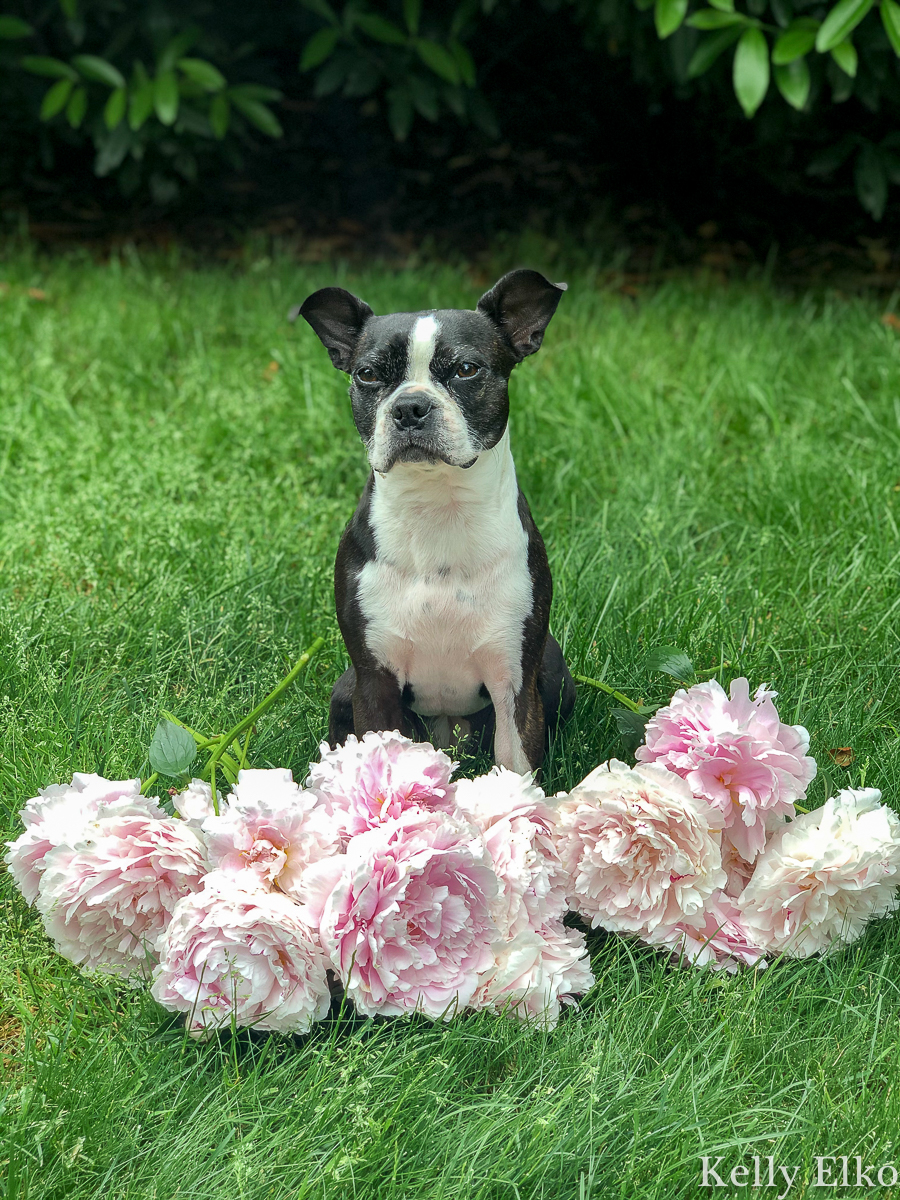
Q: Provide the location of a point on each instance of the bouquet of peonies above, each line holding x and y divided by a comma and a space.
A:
421, 894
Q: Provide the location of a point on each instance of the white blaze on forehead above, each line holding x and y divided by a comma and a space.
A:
421, 349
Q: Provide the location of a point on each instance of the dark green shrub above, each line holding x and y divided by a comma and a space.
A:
160, 92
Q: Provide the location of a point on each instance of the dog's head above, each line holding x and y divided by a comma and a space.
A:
433, 386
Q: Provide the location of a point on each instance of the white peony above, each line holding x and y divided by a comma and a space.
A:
640, 850
825, 875
58, 816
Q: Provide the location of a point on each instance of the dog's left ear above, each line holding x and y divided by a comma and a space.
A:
337, 318
521, 304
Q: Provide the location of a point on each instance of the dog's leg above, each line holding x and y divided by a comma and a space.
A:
519, 726
340, 714
556, 685
378, 702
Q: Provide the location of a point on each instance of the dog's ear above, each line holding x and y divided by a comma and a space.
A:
521, 305
337, 317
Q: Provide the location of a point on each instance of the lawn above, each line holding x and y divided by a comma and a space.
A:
715, 467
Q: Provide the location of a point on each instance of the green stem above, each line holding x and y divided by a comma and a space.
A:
149, 782
610, 691
243, 759
252, 717
203, 743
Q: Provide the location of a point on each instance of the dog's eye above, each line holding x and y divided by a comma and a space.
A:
367, 375
467, 370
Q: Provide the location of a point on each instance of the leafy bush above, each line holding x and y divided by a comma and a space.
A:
160, 92
128, 82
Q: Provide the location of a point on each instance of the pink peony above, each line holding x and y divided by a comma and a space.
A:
736, 754
640, 850
236, 952
106, 898
273, 828
405, 915
723, 941
195, 804
518, 826
59, 814
825, 875
535, 972
737, 870
365, 782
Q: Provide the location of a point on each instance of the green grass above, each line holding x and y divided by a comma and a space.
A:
712, 467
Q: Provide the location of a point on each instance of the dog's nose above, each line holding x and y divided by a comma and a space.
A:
410, 413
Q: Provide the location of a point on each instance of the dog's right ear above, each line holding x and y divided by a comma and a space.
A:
337, 318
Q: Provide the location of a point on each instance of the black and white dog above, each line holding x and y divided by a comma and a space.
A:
442, 583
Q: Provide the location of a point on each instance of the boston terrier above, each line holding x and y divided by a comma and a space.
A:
442, 583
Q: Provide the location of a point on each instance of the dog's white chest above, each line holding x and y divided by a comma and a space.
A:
447, 594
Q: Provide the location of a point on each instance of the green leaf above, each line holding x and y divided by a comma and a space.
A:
53, 68
322, 9
710, 49
112, 147
203, 73
412, 10
141, 104
464, 62
798, 39
463, 15
381, 29
631, 726
255, 91
165, 97
115, 107
424, 96
399, 112
751, 70
172, 750
711, 18
70, 8
440, 61
319, 47
793, 82
871, 181
219, 115
256, 113
481, 113
840, 22
177, 48
723, 5
846, 57
12, 28
98, 70
668, 15
56, 98
828, 161
77, 107
671, 661
890, 18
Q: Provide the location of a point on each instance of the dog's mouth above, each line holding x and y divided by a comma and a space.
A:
417, 448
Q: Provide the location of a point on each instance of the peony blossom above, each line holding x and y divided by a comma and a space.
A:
825, 875
236, 952
107, 898
518, 826
59, 814
405, 915
195, 804
722, 942
535, 972
365, 782
736, 754
640, 850
273, 828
